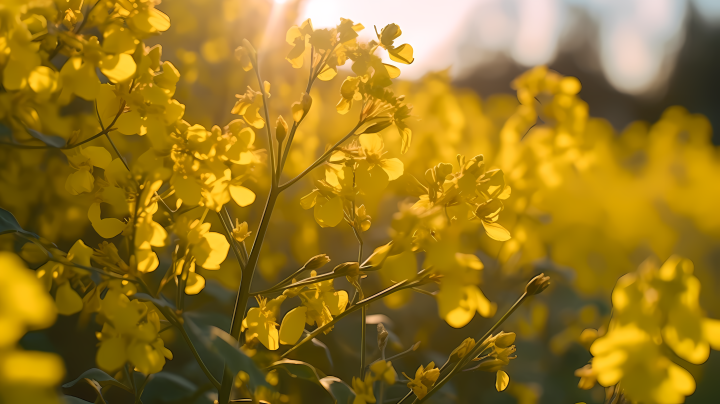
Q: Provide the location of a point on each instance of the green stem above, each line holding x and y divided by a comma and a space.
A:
171, 318
392, 289
141, 388
101, 133
267, 127
307, 281
363, 312
320, 159
244, 291
92, 269
233, 243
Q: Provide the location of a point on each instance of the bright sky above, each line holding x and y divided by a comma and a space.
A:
638, 39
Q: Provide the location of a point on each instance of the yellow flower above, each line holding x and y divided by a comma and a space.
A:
83, 160
425, 377
387, 36
260, 322
130, 334
376, 171
363, 390
248, 106
25, 376
383, 370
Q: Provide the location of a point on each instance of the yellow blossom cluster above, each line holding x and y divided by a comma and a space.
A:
653, 308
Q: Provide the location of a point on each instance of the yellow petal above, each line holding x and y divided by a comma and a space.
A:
309, 200
108, 104
145, 357
502, 380
293, 325
111, 354
79, 182
212, 251
402, 54
371, 143
118, 68
241, 195
106, 228
80, 253
43, 80
67, 300
195, 284
187, 189
147, 260
371, 180
31, 369
328, 73
329, 212
131, 123
495, 231
393, 167
97, 156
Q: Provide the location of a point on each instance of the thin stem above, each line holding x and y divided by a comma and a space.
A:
94, 385
363, 312
267, 127
320, 160
308, 281
278, 286
101, 133
180, 298
140, 390
244, 291
171, 318
392, 289
475, 351
233, 243
291, 136
391, 358
111, 274
82, 24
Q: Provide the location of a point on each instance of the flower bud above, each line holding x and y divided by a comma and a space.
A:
281, 129
242, 54
587, 376
587, 337
490, 365
300, 109
316, 262
537, 284
382, 337
33, 254
504, 339
464, 349
240, 232
348, 269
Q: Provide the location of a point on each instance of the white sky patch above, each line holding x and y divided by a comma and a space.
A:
638, 39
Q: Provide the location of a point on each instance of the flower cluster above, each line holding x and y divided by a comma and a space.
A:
653, 307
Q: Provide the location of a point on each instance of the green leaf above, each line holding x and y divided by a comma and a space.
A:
299, 369
73, 400
54, 141
224, 348
8, 224
159, 302
102, 378
342, 393
167, 387
339, 390
227, 347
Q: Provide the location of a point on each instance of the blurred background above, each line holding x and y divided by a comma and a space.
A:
634, 57
651, 193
